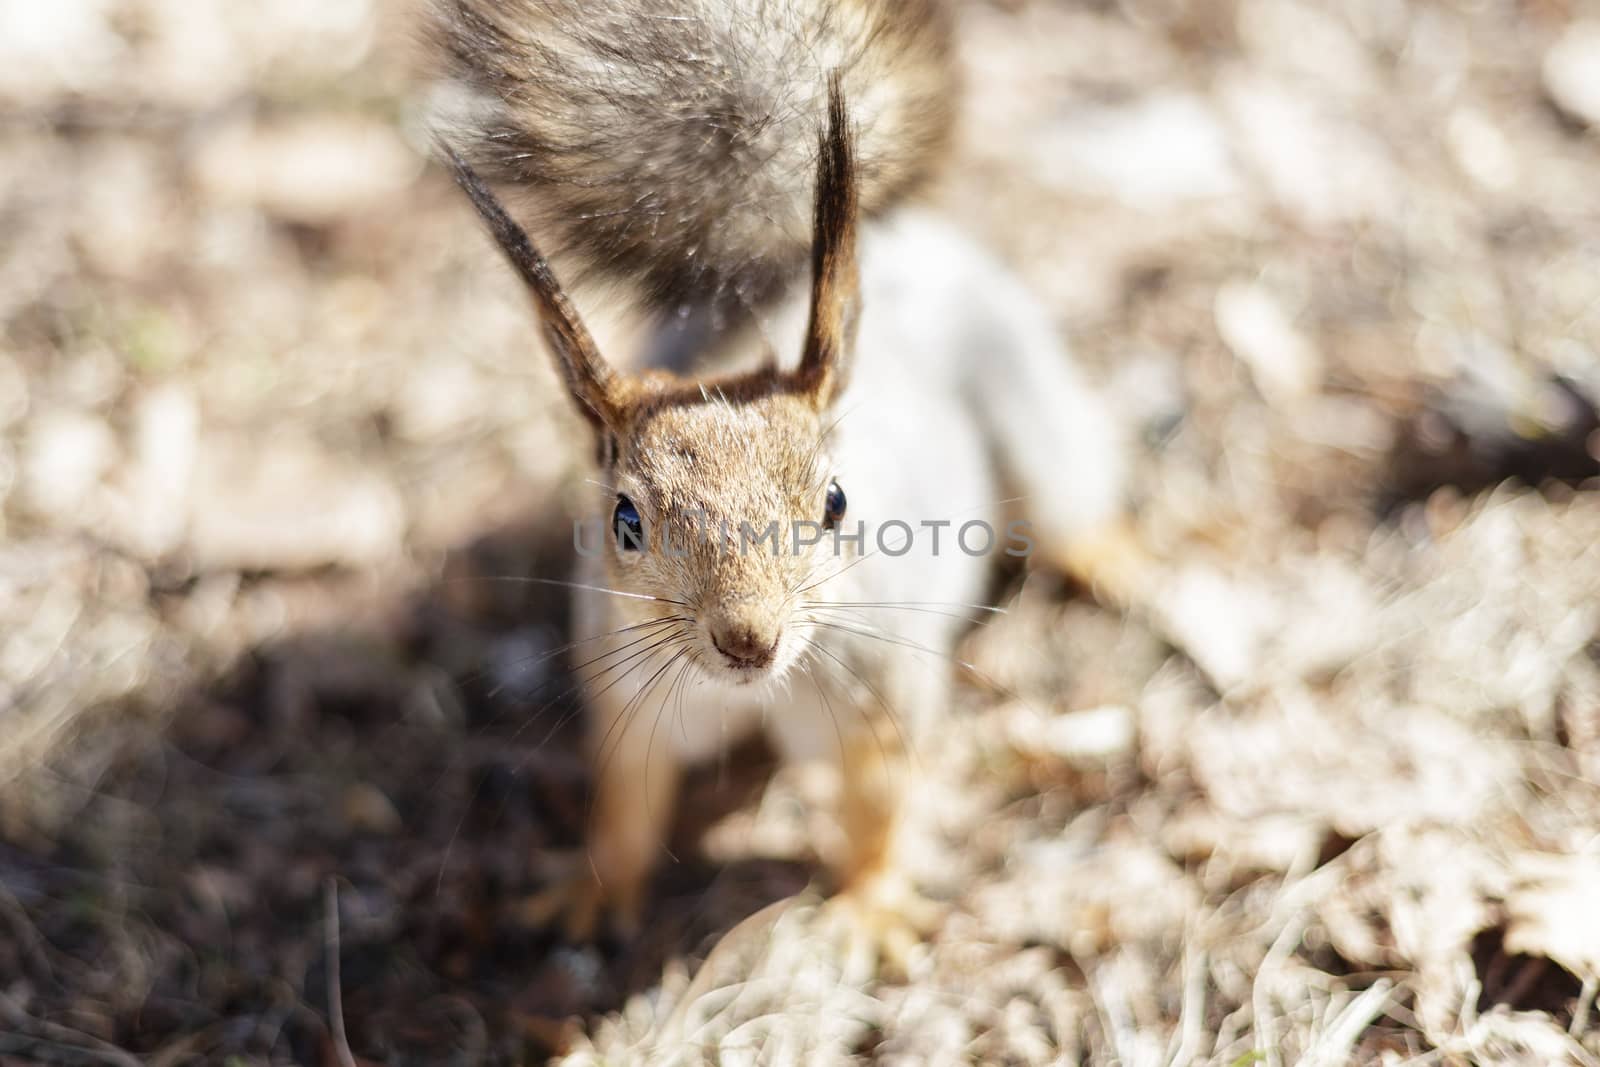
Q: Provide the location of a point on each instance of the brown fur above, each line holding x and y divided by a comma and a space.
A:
589, 379
669, 144
691, 456
618, 403
835, 281
759, 447
751, 442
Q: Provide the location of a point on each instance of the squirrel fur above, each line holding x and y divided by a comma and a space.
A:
703, 148
671, 144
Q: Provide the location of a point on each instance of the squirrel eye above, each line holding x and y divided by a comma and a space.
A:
833, 510
627, 525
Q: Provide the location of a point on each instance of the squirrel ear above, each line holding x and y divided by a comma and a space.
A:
835, 286
591, 381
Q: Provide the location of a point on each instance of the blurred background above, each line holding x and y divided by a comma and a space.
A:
276, 438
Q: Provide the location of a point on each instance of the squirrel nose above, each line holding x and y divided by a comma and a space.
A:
744, 646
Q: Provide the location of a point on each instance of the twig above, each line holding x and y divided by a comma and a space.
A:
1580, 1012
1523, 981
330, 941
1338, 1040
69, 1044
1191, 1019
1261, 996
32, 941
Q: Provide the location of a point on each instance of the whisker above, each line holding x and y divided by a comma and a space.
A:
625, 719
569, 646
444, 861
630, 710
833, 716
482, 673
659, 627
523, 580
674, 696
879, 634
919, 609
916, 646
632, 661
625, 670
671, 620
887, 710
623, 666
905, 604
649, 749
824, 580
626, 708
908, 605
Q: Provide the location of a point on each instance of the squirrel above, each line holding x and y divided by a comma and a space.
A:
796, 534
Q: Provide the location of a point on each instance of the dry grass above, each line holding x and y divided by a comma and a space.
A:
273, 439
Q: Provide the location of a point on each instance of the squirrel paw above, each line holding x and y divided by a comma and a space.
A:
581, 907
1113, 564
883, 922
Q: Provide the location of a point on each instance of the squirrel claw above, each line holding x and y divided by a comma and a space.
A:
883, 923
580, 907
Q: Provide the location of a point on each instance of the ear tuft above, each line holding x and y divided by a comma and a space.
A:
835, 285
591, 381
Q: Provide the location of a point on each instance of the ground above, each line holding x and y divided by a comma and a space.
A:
278, 450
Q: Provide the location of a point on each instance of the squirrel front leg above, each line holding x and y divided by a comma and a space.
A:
634, 795
884, 916
874, 770
1111, 562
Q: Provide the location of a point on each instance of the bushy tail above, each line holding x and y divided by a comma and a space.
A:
671, 143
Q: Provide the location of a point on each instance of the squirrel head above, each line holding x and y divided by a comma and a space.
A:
723, 494
720, 512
